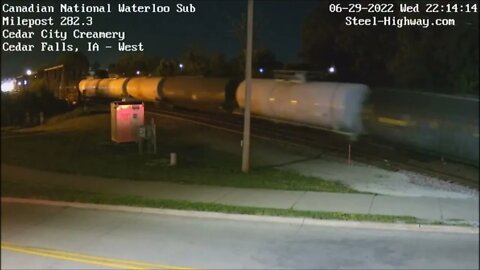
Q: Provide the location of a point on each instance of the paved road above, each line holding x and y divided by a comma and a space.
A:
156, 241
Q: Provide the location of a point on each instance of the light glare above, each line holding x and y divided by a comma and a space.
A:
331, 69
8, 85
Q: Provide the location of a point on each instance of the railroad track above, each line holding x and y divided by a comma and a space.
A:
366, 150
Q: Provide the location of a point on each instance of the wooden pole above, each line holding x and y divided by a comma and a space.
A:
349, 153
154, 136
248, 90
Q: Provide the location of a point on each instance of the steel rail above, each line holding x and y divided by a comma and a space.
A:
376, 153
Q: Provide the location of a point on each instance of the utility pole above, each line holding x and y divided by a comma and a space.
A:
248, 90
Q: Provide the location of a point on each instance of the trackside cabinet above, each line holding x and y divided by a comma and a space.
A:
126, 120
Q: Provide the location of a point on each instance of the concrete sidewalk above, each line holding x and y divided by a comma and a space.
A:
432, 209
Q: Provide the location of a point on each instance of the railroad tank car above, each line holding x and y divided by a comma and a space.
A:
206, 94
439, 124
103, 88
328, 105
88, 87
112, 88
145, 88
82, 84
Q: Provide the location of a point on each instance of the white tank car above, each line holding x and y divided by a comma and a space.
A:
145, 88
88, 87
328, 105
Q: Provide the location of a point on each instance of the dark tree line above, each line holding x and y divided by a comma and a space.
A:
36, 99
195, 62
437, 58
25, 107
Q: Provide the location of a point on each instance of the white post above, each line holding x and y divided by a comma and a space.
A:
349, 153
41, 118
248, 90
154, 136
173, 159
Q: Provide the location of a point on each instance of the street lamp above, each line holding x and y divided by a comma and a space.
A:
331, 69
8, 85
180, 66
28, 72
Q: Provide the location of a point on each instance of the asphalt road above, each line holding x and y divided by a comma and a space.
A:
45, 237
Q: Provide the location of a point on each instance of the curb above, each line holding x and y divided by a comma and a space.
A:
252, 218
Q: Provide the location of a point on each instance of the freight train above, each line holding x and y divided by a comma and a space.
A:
444, 125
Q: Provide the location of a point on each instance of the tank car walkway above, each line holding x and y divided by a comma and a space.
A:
429, 208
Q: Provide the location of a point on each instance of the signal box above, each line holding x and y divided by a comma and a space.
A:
126, 119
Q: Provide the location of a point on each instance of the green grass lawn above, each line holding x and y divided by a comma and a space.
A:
23, 190
81, 145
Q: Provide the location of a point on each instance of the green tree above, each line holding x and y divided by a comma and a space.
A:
165, 67
129, 64
95, 66
359, 53
439, 59
218, 66
194, 62
76, 59
267, 61
261, 58
435, 59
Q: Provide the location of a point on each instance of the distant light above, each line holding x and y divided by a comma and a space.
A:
8, 85
180, 66
260, 70
331, 69
28, 72
19, 83
24, 82
138, 72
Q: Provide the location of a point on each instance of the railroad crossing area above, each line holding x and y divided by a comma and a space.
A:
430, 209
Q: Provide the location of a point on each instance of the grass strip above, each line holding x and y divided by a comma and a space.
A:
82, 146
15, 189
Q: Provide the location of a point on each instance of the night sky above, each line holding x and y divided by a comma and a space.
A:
169, 35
